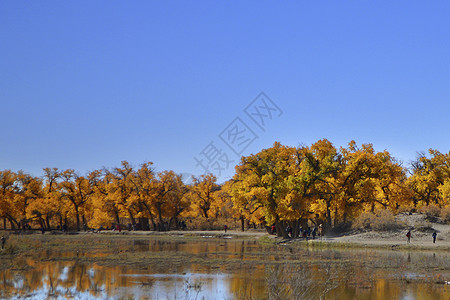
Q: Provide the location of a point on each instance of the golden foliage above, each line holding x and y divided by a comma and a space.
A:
280, 185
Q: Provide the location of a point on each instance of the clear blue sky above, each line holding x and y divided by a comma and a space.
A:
86, 84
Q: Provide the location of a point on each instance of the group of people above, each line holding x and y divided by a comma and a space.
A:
303, 232
408, 236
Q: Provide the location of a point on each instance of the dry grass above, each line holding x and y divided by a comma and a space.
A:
445, 214
430, 210
298, 281
382, 220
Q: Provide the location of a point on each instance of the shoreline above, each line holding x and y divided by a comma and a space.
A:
345, 241
364, 240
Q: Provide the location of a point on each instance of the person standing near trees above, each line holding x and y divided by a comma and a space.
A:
408, 235
320, 231
434, 235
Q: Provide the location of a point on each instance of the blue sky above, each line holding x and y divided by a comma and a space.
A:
88, 84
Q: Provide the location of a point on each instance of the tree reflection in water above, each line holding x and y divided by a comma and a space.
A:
235, 270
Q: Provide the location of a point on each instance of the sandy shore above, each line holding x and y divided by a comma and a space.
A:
420, 236
393, 239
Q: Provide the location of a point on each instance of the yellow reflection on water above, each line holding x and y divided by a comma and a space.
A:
237, 270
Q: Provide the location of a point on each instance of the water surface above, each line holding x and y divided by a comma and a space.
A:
226, 269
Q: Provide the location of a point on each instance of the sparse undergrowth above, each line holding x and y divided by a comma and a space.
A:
383, 220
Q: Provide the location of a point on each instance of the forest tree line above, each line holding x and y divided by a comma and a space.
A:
281, 186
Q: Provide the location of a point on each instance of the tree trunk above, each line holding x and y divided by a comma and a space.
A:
153, 222
130, 214
47, 219
175, 219
295, 228
281, 230
242, 223
144, 224
205, 213
116, 215
158, 208
78, 218
12, 224
151, 216
60, 222
336, 215
328, 214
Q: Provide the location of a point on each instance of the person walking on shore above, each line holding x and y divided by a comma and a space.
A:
408, 235
434, 235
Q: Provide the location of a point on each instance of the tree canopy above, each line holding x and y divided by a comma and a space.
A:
282, 185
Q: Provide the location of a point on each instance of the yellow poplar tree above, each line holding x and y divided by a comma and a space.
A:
429, 174
77, 190
7, 193
145, 188
51, 205
203, 197
177, 203
122, 189
29, 188
165, 190
267, 181
104, 209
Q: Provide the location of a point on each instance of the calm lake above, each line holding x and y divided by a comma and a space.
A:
212, 268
